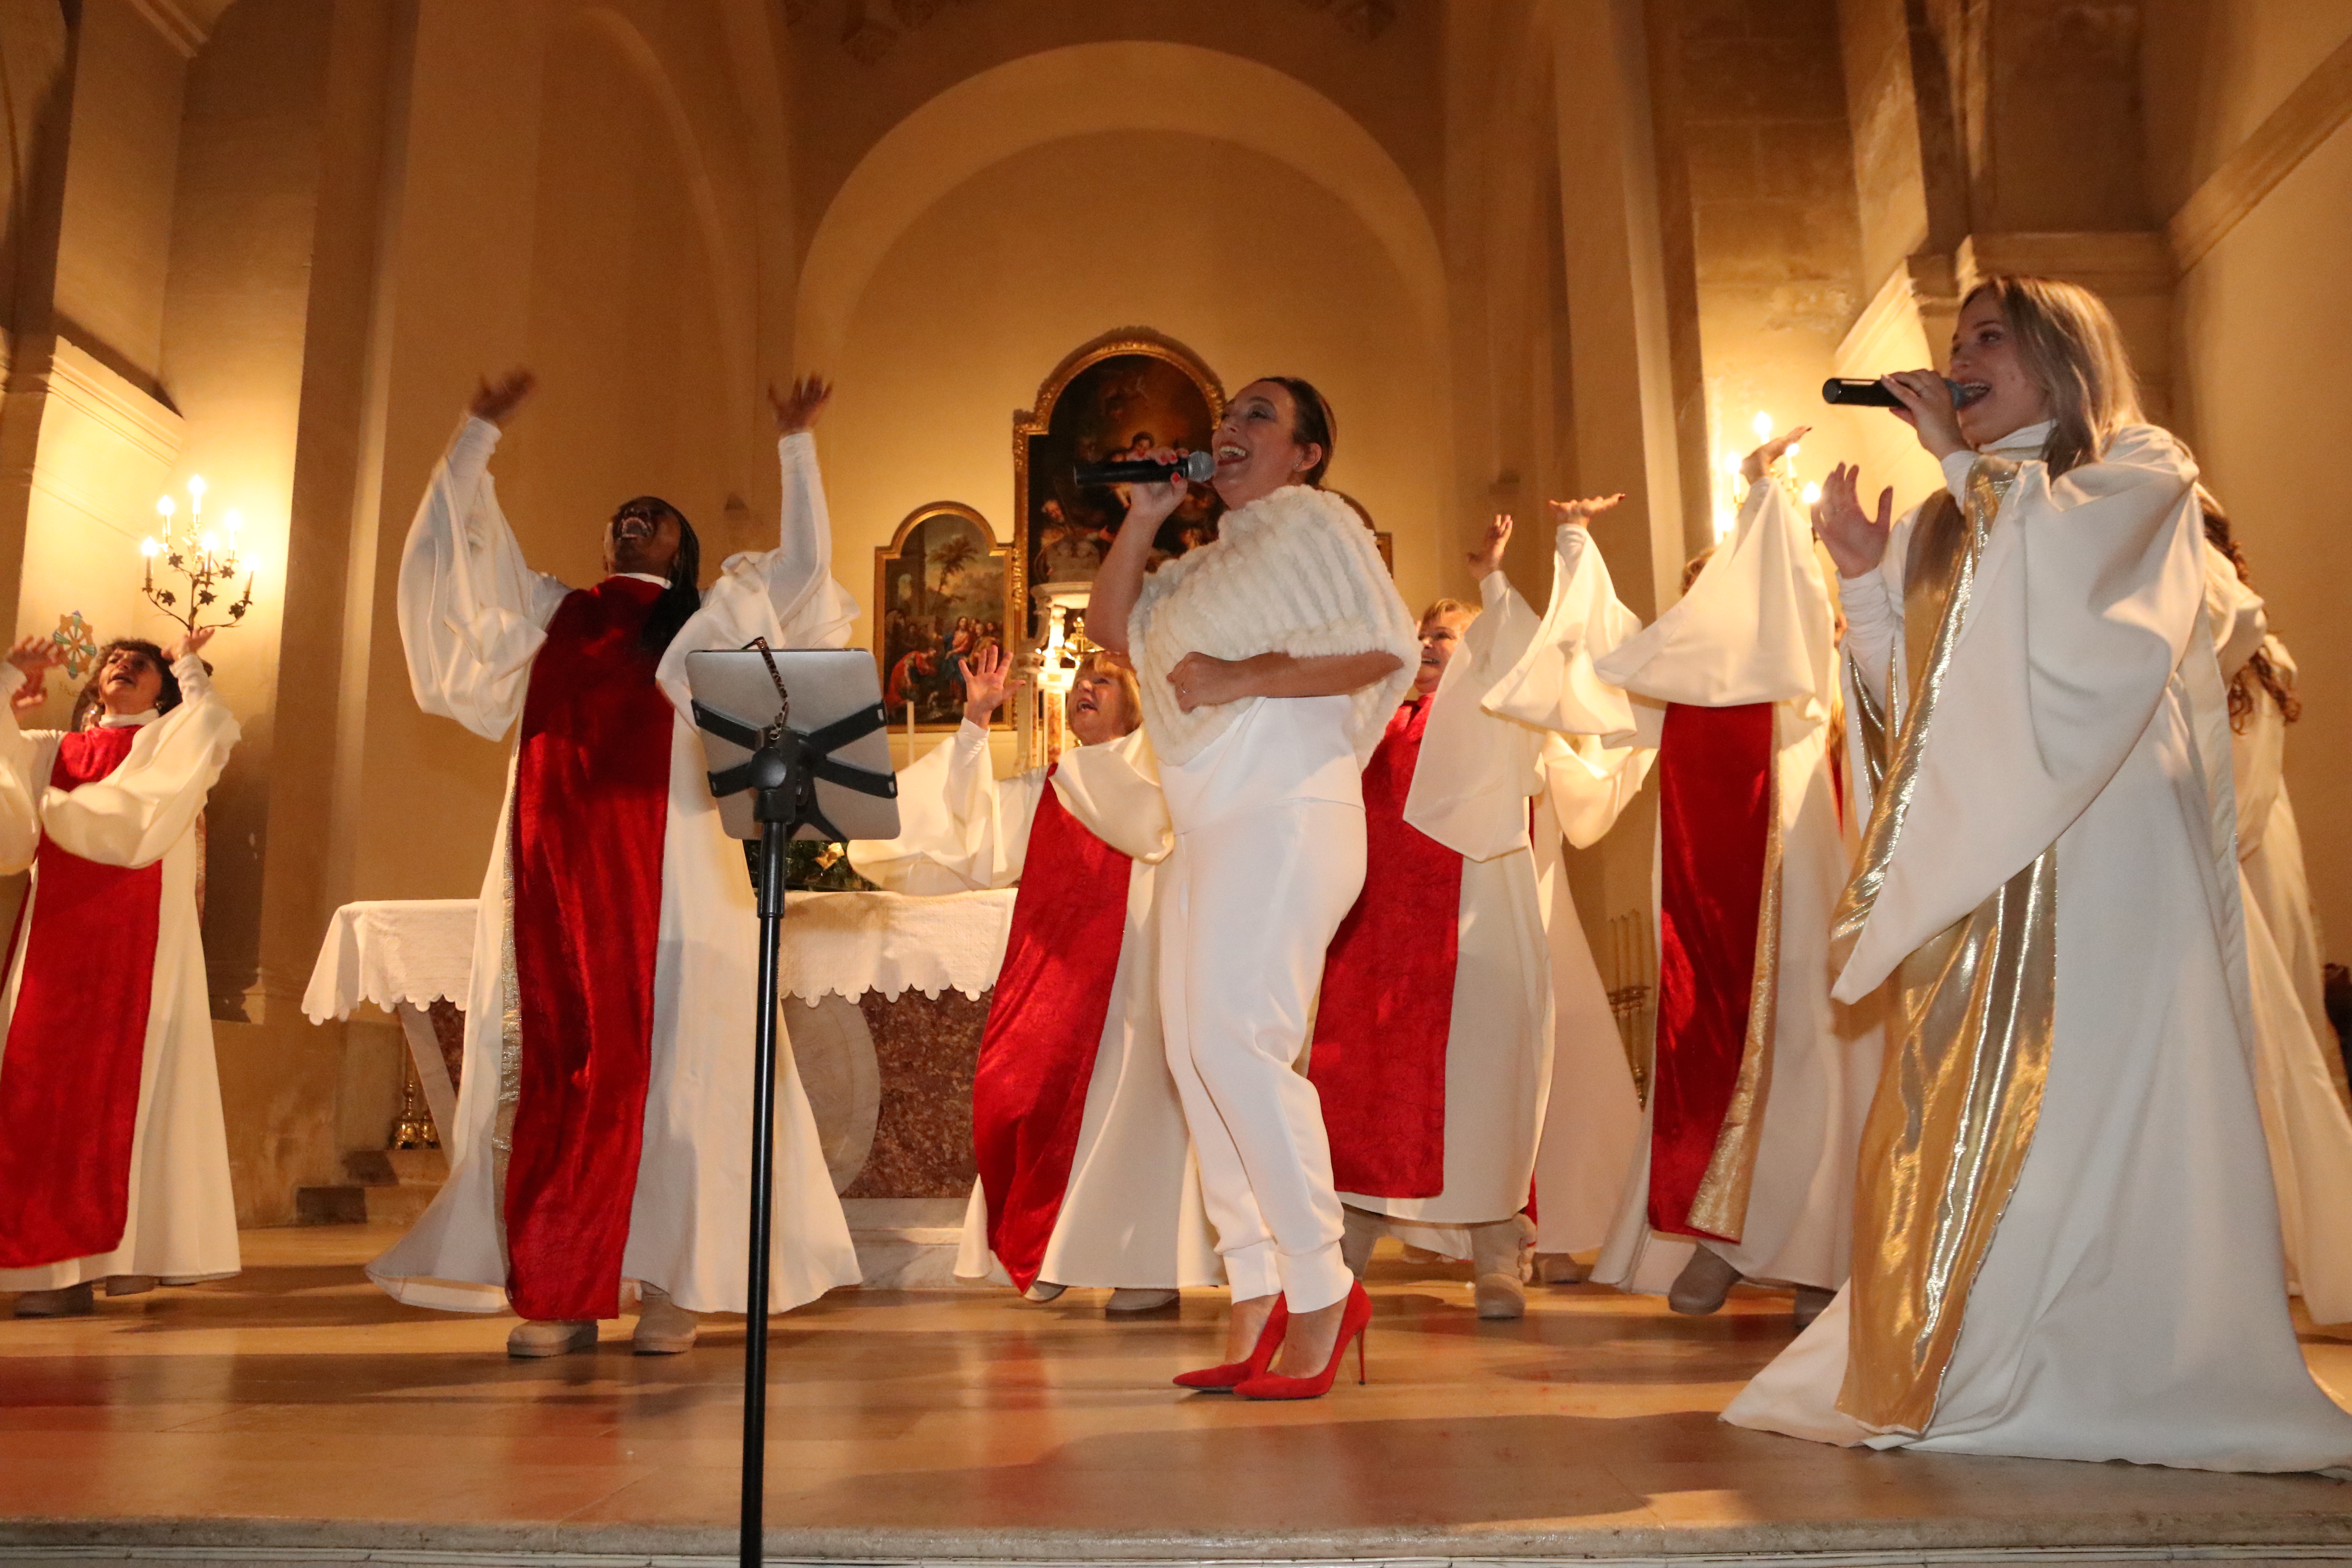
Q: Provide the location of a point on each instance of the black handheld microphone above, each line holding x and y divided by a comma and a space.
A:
1857, 394
1194, 466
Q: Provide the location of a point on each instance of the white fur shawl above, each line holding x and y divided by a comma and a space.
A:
1296, 573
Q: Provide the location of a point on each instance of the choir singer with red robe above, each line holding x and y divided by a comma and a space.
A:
601, 1147
114, 1166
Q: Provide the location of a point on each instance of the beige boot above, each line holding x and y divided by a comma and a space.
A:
664, 1328
1703, 1284
130, 1284
1496, 1270
537, 1338
1362, 1232
1561, 1268
1128, 1300
73, 1301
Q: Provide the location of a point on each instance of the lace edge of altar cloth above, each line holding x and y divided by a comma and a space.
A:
420, 951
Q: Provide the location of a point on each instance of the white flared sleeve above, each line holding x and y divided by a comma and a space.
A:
1113, 789
1755, 627
24, 758
1552, 685
1590, 784
960, 830
2234, 611
472, 614
1476, 770
2087, 599
132, 816
787, 595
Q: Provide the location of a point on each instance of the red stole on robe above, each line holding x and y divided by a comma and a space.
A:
76, 1048
1387, 1007
1044, 1028
1715, 805
591, 804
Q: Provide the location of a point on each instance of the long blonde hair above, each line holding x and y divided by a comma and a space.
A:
2074, 351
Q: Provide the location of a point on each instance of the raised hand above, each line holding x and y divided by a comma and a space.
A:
498, 401
29, 696
797, 409
986, 683
192, 643
1758, 463
1488, 559
35, 655
1581, 513
1855, 539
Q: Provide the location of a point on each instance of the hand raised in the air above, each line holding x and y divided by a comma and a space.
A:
798, 408
1488, 559
498, 401
987, 681
1855, 539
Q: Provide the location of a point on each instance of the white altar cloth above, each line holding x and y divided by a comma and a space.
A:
415, 952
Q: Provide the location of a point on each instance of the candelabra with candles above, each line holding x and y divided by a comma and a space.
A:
207, 564
1054, 664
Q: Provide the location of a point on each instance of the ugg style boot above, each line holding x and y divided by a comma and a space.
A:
664, 1328
531, 1339
73, 1301
1497, 1268
1703, 1284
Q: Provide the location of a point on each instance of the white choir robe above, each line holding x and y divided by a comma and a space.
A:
1593, 1108
2131, 1304
472, 615
1470, 792
2304, 1117
1130, 1217
1757, 626
181, 1223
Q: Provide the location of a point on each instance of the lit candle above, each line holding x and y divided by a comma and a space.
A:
1812, 494
165, 507
196, 495
147, 549
1762, 425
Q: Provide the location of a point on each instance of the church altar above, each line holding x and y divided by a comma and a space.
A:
887, 997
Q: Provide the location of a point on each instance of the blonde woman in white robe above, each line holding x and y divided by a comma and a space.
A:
2297, 1071
1124, 1203
115, 1164
1270, 661
2066, 1242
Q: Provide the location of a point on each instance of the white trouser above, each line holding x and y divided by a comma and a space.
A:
1256, 898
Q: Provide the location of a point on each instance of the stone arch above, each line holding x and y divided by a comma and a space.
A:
1086, 88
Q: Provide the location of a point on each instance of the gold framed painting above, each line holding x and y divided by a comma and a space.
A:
1122, 394
942, 591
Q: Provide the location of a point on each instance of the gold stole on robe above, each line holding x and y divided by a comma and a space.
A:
1969, 1031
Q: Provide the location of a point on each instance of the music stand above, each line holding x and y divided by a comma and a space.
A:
771, 723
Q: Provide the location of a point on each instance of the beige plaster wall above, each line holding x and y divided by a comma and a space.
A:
983, 295
2265, 321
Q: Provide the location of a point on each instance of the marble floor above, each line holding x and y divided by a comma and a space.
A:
296, 1411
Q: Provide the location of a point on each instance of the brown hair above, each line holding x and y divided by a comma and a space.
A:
88, 703
1312, 423
2259, 670
2074, 351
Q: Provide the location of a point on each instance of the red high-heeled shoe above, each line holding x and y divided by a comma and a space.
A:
1353, 1320
1226, 1376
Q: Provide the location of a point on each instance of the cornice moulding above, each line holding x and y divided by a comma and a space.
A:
2314, 111
78, 378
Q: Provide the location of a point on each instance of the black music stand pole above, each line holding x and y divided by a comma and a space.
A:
773, 835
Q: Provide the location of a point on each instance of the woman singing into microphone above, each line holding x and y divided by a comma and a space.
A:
1270, 660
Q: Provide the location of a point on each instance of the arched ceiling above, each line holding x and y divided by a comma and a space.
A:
1086, 88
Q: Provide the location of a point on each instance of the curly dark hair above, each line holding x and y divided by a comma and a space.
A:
2260, 671
87, 702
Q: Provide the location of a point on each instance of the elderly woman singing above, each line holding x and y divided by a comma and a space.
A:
1270, 660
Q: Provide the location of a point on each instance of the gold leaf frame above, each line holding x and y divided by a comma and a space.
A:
1038, 420
884, 555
